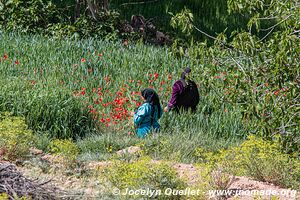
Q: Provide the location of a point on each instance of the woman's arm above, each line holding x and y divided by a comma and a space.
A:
176, 90
139, 115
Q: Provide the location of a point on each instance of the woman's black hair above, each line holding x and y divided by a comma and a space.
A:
152, 98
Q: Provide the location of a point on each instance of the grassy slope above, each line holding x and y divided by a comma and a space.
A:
42, 86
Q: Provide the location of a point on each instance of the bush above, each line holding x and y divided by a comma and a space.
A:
15, 137
143, 174
4, 196
64, 148
104, 27
27, 16
263, 161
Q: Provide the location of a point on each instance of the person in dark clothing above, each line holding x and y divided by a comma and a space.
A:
147, 116
185, 95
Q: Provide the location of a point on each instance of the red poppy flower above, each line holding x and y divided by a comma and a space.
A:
156, 75
93, 111
5, 57
83, 60
119, 94
100, 54
17, 62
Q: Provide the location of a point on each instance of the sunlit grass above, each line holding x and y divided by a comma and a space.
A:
71, 88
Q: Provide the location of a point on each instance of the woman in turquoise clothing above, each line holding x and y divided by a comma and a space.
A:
147, 116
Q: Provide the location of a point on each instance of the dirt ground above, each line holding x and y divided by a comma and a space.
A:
83, 181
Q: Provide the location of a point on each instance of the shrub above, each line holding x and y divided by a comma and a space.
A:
143, 174
4, 196
27, 16
262, 160
15, 137
38, 16
65, 148
104, 27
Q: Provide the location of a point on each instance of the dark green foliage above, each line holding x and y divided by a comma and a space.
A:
28, 16
210, 16
56, 19
105, 26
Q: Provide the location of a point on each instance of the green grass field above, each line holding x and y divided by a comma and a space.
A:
86, 89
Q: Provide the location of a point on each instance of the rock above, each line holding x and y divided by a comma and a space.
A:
97, 165
35, 151
130, 150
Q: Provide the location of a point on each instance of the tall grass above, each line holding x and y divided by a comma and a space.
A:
54, 84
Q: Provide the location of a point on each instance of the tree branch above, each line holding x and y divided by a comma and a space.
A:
141, 2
